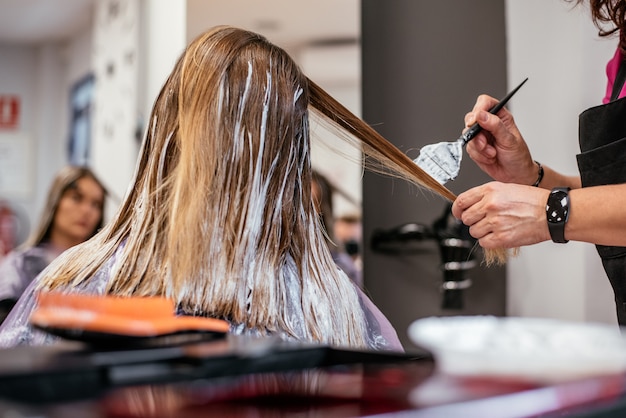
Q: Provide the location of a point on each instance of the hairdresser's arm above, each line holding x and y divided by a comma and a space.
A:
511, 215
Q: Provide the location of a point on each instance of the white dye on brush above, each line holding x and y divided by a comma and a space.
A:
443, 160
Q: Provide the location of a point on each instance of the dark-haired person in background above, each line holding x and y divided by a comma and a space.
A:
322, 193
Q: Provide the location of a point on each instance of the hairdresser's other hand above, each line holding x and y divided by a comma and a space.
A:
504, 215
499, 149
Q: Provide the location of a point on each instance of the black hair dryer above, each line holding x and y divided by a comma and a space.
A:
455, 248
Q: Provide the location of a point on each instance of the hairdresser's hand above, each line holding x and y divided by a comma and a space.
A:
504, 215
499, 149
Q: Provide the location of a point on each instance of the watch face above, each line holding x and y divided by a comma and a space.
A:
557, 209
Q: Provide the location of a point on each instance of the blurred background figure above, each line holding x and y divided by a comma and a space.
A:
73, 213
322, 192
349, 233
14, 226
7, 229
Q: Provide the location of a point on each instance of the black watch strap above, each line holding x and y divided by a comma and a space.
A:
557, 213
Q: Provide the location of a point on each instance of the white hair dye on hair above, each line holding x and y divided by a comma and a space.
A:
242, 102
297, 94
161, 168
208, 230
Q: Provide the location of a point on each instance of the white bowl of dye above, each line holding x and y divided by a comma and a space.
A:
528, 349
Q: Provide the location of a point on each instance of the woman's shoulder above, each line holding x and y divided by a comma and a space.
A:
382, 334
40, 250
14, 258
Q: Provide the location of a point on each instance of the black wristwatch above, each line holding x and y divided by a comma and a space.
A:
557, 213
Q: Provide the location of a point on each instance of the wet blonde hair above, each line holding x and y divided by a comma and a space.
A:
220, 208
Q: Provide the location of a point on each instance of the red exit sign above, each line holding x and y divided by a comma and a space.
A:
9, 111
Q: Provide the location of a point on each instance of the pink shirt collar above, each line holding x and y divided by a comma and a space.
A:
611, 72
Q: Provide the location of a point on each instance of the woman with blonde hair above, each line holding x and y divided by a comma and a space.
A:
73, 213
219, 216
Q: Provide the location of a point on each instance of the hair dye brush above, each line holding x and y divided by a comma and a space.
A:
443, 160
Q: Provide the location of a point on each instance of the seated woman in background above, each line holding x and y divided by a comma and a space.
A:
72, 214
219, 216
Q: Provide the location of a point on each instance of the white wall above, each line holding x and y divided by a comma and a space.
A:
164, 40
116, 112
557, 48
60, 66
17, 77
51, 117
337, 69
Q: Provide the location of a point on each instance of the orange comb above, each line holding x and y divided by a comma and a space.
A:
74, 315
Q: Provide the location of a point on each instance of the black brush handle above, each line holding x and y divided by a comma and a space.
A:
475, 128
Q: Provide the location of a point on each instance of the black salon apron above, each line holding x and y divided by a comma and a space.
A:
602, 137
